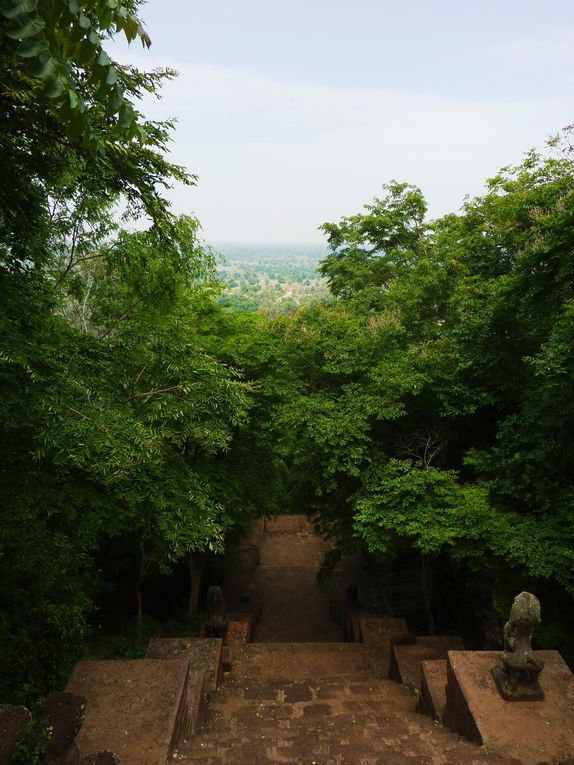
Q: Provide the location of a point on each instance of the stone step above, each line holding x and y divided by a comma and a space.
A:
302, 755
407, 655
298, 695
363, 724
337, 739
338, 693
262, 713
299, 661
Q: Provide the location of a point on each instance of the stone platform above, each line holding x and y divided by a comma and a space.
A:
203, 655
381, 630
353, 618
138, 709
406, 658
533, 732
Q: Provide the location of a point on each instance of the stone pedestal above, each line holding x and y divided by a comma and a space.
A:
531, 731
240, 630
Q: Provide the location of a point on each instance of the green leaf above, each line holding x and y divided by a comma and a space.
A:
79, 125
76, 34
24, 26
43, 68
32, 47
54, 86
86, 52
103, 59
126, 116
74, 99
131, 28
112, 76
10, 9
115, 100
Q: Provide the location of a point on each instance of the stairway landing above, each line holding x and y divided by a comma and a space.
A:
318, 704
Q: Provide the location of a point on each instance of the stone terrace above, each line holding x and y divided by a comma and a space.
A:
299, 695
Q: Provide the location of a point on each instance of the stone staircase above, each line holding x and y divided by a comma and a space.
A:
298, 694
318, 704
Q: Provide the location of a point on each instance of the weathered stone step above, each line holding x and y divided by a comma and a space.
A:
347, 739
360, 723
300, 756
329, 696
311, 743
299, 661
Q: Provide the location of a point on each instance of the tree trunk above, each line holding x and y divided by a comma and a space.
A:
426, 594
382, 591
139, 582
195, 575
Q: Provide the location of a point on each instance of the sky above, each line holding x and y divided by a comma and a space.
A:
296, 113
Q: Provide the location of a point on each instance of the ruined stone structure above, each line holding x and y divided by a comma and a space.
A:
285, 687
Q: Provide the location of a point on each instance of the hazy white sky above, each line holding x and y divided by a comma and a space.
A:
294, 113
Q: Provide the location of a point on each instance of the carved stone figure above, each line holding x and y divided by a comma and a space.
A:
517, 675
217, 622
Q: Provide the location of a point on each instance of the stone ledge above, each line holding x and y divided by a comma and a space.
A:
531, 731
204, 655
134, 707
405, 664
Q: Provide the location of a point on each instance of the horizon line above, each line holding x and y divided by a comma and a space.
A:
266, 243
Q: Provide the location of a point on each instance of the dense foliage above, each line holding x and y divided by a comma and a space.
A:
118, 413
423, 412
431, 404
